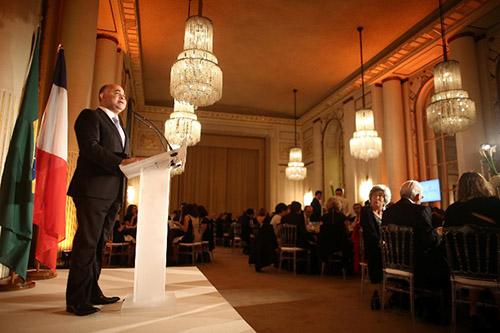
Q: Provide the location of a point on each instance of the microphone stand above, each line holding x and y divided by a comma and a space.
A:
148, 123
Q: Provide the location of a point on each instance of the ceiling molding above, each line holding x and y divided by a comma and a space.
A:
131, 31
417, 40
202, 114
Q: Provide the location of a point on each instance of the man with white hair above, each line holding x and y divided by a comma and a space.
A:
430, 267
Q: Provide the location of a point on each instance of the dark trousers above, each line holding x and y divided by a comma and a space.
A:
95, 224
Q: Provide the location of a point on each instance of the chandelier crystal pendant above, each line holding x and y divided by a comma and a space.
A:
182, 125
451, 110
196, 77
295, 169
365, 143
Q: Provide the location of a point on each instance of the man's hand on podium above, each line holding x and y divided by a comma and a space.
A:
130, 160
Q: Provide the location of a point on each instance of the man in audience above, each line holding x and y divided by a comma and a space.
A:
245, 221
307, 214
431, 270
339, 193
316, 206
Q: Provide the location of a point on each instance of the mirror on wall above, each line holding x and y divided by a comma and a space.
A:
332, 157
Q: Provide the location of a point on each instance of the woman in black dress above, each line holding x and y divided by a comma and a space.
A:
370, 220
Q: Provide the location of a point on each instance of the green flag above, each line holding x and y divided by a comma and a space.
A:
16, 196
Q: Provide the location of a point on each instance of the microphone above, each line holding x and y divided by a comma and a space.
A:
164, 142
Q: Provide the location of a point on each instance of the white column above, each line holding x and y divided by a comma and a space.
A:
379, 167
79, 26
105, 68
394, 135
316, 176
463, 49
350, 167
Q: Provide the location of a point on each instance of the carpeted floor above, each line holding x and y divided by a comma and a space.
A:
275, 301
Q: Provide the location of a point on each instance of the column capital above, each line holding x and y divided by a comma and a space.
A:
108, 37
461, 35
391, 78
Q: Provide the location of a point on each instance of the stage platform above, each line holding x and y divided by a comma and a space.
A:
199, 307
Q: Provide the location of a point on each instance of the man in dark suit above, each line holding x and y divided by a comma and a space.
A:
316, 206
96, 188
430, 266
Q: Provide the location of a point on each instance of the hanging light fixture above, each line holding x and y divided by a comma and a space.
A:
295, 169
182, 125
451, 110
196, 77
365, 143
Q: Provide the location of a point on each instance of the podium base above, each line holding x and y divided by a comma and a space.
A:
167, 303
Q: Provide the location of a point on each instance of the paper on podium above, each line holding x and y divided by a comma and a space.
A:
151, 240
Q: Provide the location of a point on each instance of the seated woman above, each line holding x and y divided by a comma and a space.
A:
295, 216
263, 245
475, 205
206, 227
333, 234
129, 226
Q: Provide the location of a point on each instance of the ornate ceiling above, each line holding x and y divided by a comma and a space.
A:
266, 48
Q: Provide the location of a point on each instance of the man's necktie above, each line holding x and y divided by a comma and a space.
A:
120, 129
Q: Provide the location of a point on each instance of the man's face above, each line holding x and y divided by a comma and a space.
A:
113, 98
339, 193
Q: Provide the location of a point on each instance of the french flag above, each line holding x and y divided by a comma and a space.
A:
49, 211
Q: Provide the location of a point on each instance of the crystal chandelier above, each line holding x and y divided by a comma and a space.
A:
196, 77
365, 143
182, 125
451, 110
295, 169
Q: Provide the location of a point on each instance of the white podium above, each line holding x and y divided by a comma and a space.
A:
152, 227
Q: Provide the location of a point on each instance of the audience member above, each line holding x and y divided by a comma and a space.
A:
476, 203
245, 220
355, 228
264, 244
370, 220
339, 193
279, 211
316, 206
431, 269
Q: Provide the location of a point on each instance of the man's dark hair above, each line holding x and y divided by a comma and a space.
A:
339, 189
281, 207
103, 88
317, 192
249, 211
295, 207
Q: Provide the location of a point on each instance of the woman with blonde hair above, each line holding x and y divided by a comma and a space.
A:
370, 219
476, 203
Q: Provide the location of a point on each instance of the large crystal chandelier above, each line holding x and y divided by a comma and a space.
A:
365, 143
196, 77
451, 110
182, 125
295, 169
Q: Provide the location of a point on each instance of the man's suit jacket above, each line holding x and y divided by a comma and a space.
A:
406, 213
97, 174
316, 206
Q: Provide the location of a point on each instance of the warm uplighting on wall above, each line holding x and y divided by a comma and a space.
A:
364, 189
308, 198
131, 195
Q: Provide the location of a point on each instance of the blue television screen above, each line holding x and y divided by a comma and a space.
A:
432, 190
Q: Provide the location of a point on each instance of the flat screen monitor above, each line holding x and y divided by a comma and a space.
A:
432, 190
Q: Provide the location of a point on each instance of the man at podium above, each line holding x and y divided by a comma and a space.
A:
96, 189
